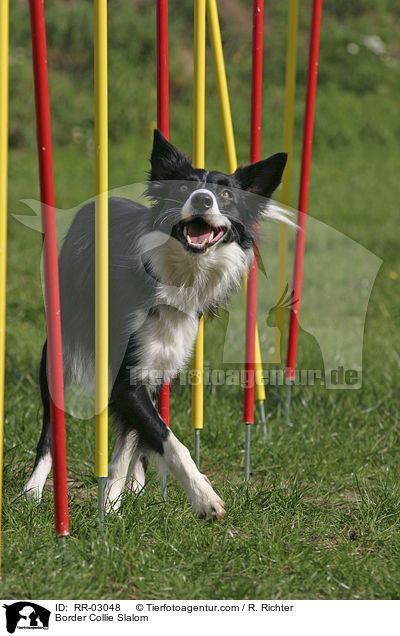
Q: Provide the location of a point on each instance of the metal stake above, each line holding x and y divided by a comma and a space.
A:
101, 483
287, 404
197, 448
164, 485
247, 454
263, 419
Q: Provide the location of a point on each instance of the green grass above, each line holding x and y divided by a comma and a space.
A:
320, 517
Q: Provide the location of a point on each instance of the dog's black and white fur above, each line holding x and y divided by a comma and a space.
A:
168, 264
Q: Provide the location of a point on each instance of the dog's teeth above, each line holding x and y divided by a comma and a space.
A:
196, 245
189, 240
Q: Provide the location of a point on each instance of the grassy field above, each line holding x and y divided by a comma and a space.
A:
320, 517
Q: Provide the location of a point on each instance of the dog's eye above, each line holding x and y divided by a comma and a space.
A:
183, 188
226, 194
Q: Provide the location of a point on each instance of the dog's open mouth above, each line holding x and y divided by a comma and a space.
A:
197, 235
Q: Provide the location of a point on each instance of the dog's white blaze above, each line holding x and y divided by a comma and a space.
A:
34, 486
213, 216
198, 489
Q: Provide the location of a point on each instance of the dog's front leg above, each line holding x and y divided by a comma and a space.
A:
199, 491
134, 406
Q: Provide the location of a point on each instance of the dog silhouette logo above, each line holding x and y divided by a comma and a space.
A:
26, 615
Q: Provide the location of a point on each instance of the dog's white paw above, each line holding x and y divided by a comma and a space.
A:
113, 495
135, 487
206, 503
33, 488
32, 492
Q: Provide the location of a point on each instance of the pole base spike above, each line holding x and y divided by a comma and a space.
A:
247, 454
101, 484
263, 419
164, 489
287, 403
197, 448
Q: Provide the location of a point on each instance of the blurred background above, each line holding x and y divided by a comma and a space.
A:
354, 181
357, 109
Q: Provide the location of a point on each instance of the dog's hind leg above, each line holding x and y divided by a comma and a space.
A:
137, 471
34, 486
124, 451
134, 405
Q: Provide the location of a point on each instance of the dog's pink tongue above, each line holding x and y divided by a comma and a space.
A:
198, 232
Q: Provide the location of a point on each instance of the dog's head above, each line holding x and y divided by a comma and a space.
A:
204, 209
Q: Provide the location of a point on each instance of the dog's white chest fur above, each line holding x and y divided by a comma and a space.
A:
166, 343
188, 285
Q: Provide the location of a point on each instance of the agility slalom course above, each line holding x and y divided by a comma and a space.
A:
4, 46
303, 195
251, 296
254, 388
288, 125
230, 152
162, 68
231, 161
199, 98
50, 263
101, 249
163, 125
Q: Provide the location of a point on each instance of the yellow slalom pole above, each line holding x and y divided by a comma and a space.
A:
230, 153
259, 388
199, 95
198, 162
101, 242
4, 30
290, 88
222, 86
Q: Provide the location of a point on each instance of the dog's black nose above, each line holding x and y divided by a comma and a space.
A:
201, 201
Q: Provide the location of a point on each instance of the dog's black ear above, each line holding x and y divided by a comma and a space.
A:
167, 162
262, 177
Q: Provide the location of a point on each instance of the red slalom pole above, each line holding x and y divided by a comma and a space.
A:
256, 80
163, 125
162, 68
50, 260
303, 193
251, 297
163, 403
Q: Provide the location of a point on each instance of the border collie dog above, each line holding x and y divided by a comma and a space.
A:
169, 264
